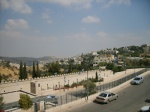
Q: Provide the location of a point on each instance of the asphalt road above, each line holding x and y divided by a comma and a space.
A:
131, 99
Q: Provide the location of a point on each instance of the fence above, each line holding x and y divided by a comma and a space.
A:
69, 97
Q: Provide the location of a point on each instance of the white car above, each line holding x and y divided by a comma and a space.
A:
137, 80
145, 109
106, 97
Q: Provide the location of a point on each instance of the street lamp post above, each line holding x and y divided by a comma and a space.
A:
87, 74
64, 82
59, 84
87, 93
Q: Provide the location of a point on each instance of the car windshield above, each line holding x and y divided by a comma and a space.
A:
50, 96
103, 95
137, 78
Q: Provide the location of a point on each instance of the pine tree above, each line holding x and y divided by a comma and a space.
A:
25, 75
33, 73
0, 78
96, 76
37, 73
21, 71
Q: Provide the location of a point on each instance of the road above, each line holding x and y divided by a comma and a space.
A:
131, 99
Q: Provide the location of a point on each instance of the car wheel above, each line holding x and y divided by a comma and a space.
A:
139, 83
107, 101
116, 98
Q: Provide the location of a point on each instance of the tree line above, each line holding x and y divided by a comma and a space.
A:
55, 67
23, 74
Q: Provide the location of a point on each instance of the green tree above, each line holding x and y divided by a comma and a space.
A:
117, 69
1, 102
128, 62
110, 66
89, 86
25, 74
37, 72
33, 72
0, 78
21, 71
135, 54
102, 64
54, 68
8, 64
70, 62
87, 62
25, 102
96, 77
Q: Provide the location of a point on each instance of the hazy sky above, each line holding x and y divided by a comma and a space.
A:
65, 28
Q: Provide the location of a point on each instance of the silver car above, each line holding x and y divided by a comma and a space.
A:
145, 109
106, 97
137, 80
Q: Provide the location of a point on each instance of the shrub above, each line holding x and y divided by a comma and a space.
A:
81, 82
1, 102
67, 86
25, 102
74, 85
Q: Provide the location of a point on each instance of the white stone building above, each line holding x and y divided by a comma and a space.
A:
103, 58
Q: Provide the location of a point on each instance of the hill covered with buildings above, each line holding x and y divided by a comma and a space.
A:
116, 59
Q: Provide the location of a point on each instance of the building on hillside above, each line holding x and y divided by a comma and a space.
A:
125, 49
15, 65
103, 58
135, 58
94, 53
110, 51
146, 49
78, 60
63, 61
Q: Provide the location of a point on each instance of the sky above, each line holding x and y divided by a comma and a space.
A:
65, 28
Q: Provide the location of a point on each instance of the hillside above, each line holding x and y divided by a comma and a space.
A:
29, 60
12, 73
9, 73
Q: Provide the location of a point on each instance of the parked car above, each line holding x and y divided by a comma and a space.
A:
106, 97
145, 109
137, 80
51, 98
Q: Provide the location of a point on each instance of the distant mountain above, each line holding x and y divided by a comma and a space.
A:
29, 60
48, 59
